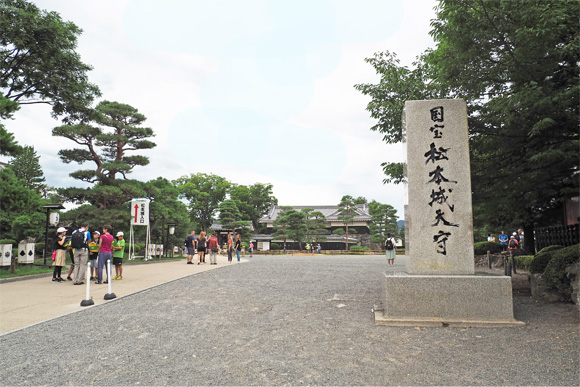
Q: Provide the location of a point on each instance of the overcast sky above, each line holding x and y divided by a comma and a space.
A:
254, 91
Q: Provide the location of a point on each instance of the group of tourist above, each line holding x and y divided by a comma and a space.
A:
83, 246
512, 242
311, 247
202, 245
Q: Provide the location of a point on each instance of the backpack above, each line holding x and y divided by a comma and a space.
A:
185, 242
78, 240
389, 244
513, 243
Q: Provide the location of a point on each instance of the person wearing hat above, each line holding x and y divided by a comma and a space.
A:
60, 254
94, 253
118, 253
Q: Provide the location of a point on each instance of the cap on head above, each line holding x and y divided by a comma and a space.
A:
61, 229
120, 233
96, 232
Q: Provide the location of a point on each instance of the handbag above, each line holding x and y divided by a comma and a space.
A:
54, 255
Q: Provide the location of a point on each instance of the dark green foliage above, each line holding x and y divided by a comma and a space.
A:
384, 220
541, 259
275, 246
555, 275
38, 62
26, 167
524, 261
359, 248
550, 248
481, 248
8, 242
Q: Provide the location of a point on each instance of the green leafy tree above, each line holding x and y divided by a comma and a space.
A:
204, 192
346, 213
231, 218
26, 167
315, 225
106, 144
20, 208
290, 224
384, 220
515, 64
38, 61
253, 201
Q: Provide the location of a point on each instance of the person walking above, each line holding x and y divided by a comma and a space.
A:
238, 247
390, 249
105, 253
80, 243
201, 247
251, 248
213, 249
118, 248
190, 244
94, 253
60, 254
230, 248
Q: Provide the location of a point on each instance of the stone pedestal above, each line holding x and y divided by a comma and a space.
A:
446, 300
439, 286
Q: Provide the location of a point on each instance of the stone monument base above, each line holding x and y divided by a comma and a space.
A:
447, 300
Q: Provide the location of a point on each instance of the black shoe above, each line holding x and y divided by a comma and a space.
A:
68, 278
106, 282
190, 263
54, 280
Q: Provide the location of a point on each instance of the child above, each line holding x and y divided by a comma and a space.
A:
118, 252
94, 253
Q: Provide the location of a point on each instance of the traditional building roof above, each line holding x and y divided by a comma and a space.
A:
330, 212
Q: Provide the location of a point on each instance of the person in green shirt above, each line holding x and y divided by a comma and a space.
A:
118, 252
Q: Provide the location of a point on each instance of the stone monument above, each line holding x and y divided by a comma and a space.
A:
439, 286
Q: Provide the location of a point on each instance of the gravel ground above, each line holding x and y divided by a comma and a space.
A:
285, 321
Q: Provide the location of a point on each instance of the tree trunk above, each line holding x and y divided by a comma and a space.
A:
529, 243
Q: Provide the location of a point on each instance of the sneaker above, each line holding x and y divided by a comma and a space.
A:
92, 279
54, 280
116, 277
60, 279
190, 263
106, 282
120, 277
68, 278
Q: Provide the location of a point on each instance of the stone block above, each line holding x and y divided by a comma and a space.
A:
447, 300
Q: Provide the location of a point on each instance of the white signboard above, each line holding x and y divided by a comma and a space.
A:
159, 250
140, 212
26, 253
6, 258
151, 249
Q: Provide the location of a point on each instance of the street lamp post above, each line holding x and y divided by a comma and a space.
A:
170, 231
49, 207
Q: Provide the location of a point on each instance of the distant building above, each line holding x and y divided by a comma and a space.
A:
360, 223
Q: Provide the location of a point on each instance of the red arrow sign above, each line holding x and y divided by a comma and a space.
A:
136, 212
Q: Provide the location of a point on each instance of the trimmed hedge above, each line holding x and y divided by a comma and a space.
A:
481, 248
524, 261
542, 258
359, 248
8, 242
555, 275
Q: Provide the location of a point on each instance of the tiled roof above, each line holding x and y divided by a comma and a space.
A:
330, 212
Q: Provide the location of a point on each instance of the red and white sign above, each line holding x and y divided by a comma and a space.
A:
140, 212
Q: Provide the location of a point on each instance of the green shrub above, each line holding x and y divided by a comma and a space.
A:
541, 259
275, 246
555, 275
356, 248
524, 261
481, 248
550, 248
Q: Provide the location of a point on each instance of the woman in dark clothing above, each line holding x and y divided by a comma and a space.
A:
60, 256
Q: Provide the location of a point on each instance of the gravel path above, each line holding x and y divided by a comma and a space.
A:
285, 321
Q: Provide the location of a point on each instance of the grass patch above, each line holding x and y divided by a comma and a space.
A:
23, 270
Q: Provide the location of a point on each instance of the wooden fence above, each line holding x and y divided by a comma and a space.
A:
557, 235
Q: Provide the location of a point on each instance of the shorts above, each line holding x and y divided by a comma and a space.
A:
117, 261
202, 250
